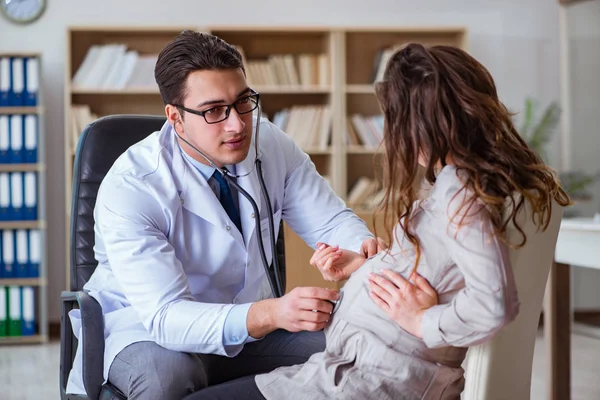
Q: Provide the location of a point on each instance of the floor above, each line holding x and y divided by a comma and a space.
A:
31, 372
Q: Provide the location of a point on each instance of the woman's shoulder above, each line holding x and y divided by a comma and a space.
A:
447, 184
449, 193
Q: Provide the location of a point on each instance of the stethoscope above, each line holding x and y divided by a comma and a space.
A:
274, 281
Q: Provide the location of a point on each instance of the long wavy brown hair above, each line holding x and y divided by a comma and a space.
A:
441, 105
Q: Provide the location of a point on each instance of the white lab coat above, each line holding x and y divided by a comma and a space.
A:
167, 251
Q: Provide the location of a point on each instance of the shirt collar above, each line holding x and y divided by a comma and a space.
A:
207, 171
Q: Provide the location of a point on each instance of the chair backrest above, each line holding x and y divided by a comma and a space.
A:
501, 368
100, 144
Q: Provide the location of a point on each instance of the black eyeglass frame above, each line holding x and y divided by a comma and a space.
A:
254, 96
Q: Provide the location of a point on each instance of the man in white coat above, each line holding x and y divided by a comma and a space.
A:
183, 290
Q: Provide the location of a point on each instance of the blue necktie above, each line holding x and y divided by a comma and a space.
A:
227, 200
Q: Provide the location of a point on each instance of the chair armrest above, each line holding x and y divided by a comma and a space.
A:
92, 342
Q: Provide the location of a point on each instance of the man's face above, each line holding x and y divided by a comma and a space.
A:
225, 142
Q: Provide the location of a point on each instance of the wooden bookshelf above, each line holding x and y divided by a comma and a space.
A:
348, 90
37, 284
360, 50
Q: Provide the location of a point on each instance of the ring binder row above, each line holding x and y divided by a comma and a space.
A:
18, 196
19, 137
17, 311
20, 253
19, 81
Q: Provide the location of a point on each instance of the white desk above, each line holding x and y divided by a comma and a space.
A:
578, 245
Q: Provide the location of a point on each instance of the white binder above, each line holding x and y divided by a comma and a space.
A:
28, 308
14, 303
35, 252
4, 80
8, 252
31, 136
16, 136
4, 195
18, 79
16, 194
22, 253
33, 80
4, 139
30, 191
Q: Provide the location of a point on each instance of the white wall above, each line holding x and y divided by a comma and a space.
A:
583, 22
516, 39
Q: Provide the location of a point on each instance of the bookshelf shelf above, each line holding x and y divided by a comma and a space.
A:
360, 150
22, 225
360, 89
21, 110
291, 89
334, 65
317, 152
126, 91
38, 167
23, 282
24, 339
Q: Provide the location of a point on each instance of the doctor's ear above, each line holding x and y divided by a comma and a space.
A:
178, 121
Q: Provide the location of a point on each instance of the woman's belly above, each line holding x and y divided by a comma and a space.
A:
356, 307
360, 313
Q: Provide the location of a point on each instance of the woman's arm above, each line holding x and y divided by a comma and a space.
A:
487, 303
489, 300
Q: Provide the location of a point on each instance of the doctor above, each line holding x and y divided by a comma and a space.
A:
180, 280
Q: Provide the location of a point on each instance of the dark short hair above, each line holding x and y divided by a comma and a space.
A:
191, 51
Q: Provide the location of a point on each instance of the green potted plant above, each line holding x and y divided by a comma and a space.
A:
537, 132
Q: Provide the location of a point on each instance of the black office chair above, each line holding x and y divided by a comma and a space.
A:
100, 144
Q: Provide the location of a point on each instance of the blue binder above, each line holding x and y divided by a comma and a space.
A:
8, 253
27, 311
21, 266
17, 90
35, 253
32, 81
4, 139
4, 196
16, 210
30, 196
5, 81
1, 259
30, 148
16, 139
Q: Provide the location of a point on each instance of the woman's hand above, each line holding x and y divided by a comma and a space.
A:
335, 264
403, 301
370, 247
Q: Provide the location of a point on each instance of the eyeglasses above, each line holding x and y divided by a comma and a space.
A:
217, 114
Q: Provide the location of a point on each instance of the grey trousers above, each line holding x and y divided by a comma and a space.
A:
145, 370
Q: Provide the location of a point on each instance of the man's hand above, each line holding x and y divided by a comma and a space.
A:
302, 309
370, 247
335, 264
